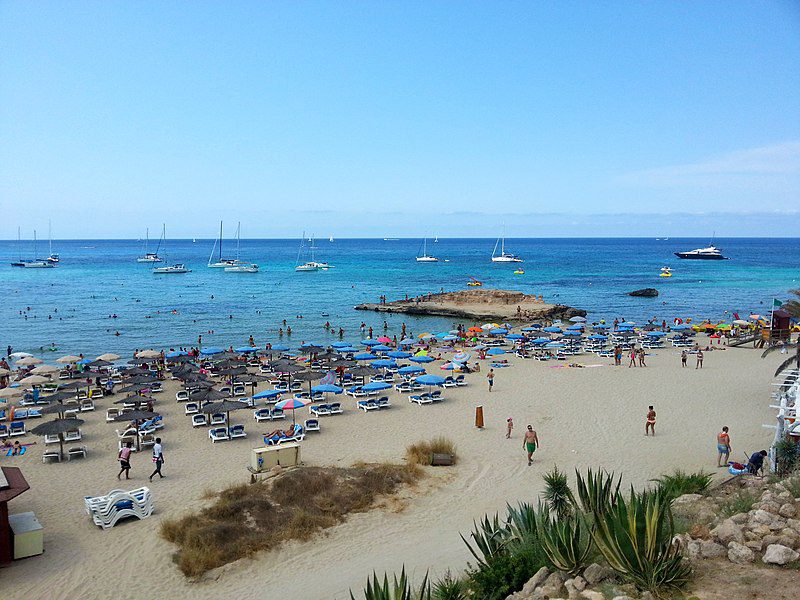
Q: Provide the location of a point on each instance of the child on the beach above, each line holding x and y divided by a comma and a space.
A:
509, 427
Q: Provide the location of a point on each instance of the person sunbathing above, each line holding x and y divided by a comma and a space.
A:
279, 433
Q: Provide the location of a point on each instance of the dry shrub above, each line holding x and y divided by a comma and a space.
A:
246, 519
421, 453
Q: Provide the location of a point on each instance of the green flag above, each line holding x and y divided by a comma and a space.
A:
776, 303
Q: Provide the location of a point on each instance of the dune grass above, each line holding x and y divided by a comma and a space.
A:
679, 483
740, 502
249, 518
421, 453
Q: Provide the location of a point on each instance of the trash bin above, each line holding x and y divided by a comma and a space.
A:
28, 535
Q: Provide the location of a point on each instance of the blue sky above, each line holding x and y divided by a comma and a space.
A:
393, 118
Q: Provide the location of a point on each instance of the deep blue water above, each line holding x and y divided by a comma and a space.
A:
98, 278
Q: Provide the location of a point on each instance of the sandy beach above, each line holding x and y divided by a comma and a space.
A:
590, 417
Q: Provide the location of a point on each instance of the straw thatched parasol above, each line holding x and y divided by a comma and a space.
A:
225, 406
57, 427
109, 356
68, 359
43, 370
28, 361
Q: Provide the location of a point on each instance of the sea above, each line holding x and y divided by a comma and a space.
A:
99, 299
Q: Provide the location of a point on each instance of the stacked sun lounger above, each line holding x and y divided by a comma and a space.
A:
107, 510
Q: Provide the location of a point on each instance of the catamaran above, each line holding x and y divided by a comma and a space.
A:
425, 257
149, 257
220, 263
311, 265
504, 256
238, 266
170, 269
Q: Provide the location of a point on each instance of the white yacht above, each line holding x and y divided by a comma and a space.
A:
28, 263
312, 264
149, 257
51, 257
170, 269
220, 263
425, 257
504, 257
238, 266
709, 253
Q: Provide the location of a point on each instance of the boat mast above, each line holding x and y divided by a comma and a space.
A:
50, 238
146, 240
19, 244
34, 244
220, 241
238, 231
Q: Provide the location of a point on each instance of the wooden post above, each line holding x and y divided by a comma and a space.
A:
479, 417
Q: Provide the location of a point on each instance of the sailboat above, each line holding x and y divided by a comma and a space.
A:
149, 257
311, 265
53, 258
171, 269
425, 257
27, 263
220, 263
503, 256
239, 266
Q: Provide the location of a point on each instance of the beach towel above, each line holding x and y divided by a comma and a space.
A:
21, 452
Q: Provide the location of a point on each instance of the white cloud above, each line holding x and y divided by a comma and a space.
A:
777, 164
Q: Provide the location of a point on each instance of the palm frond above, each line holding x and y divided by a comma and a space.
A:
786, 364
775, 348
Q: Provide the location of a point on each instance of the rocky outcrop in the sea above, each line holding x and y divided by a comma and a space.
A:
644, 293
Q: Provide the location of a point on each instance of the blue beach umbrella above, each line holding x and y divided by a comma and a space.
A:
406, 342
369, 342
365, 356
498, 331
245, 349
280, 347
552, 329
515, 336
176, 354
542, 340
376, 386
449, 338
575, 327
327, 388
627, 324
656, 334
422, 359
83, 361
410, 369
597, 336
601, 326
554, 345
680, 327
383, 363
339, 345
380, 348
211, 350
572, 332
442, 334
535, 327
347, 349
398, 354
430, 380
495, 351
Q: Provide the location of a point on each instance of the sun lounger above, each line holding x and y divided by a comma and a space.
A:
298, 436
51, 439
404, 387
312, 425
123, 441
16, 428
367, 405
181, 396
156, 387
87, 405
420, 399
82, 394
357, 392
237, 431
51, 456
199, 420
320, 410
226, 389
147, 440
239, 390
3, 431
461, 381
436, 396
218, 434
449, 382
191, 408
335, 408
217, 419
383, 402
76, 452
107, 510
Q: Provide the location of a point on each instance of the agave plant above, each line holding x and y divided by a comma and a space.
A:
597, 491
634, 537
521, 522
558, 494
566, 541
398, 589
490, 537
449, 588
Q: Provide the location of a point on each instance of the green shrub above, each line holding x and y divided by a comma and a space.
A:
635, 538
566, 541
505, 573
787, 459
740, 502
679, 483
597, 492
558, 494
490, 537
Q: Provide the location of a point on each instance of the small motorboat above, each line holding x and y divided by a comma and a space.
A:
474, 282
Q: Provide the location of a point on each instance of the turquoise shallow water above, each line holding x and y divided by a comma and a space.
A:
98, 278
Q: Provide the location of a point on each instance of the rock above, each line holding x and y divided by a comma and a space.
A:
770, 507
579, 583
779, 555
553, 586
787, 510
710, 549
648, 596
537, 580
770, 539
645, 293
739, 519
763, 517
592, 595
754, 545
686, 499
793, 524
739, 554
758, 529
785, 496
693, 550
622, 598
789, 541
594, 573
727, 532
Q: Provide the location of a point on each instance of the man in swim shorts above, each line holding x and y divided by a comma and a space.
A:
650, 423
530, 442
723, 447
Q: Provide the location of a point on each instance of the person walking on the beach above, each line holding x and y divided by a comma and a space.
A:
650, 423
530, 442
158, 458
124, 457
684, 357
509, 427
490, 378
699, 364
641, 357
723, 447
633, 356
